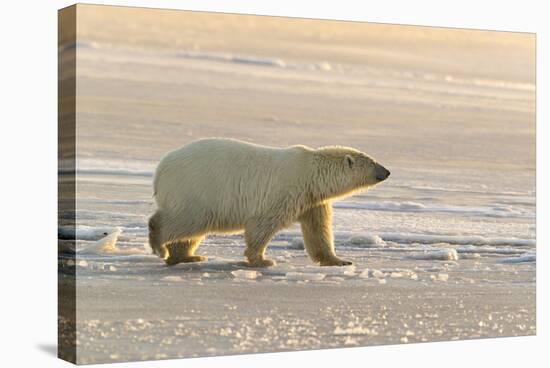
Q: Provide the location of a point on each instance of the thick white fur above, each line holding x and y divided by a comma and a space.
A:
224, 185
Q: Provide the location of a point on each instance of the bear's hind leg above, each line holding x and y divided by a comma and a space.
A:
316, 226
155, 235
183, 251
257, 235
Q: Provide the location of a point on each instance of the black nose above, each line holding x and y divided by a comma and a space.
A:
382, 173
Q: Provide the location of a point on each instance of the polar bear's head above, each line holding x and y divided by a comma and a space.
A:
344, 170
363, 170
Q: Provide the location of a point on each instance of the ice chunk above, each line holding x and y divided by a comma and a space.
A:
443, 277
304, 276
378, 274
109, 268
82, 263
172, 278
104, 245
336, 271
437, 255
364, 274
367, 240
245, 274
397, 275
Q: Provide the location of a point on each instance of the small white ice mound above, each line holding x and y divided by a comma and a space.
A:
437, 255
105, 245
304, 276
245, 274
527, 257
82, 263
377, 274
441, 277
172, 278
367, 240
364, 274
411, 206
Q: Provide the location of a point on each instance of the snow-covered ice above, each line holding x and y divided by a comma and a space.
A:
527, 257
245, 274
366, 240
305, 276
437, 255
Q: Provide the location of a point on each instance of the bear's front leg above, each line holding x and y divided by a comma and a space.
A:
316, 226
183, 251
257, 234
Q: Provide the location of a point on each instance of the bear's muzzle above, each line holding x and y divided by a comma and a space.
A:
381, 173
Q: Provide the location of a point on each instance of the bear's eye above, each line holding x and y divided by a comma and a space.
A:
350, 161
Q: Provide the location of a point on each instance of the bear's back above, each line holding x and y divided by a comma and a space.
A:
224, 152
227, 170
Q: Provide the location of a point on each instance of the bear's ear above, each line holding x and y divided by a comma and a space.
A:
349, 161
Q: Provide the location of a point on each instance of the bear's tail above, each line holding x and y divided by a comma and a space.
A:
155, 241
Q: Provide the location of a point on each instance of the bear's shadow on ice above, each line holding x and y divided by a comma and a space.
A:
221, 266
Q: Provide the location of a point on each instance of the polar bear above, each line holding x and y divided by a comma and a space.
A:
218, 185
